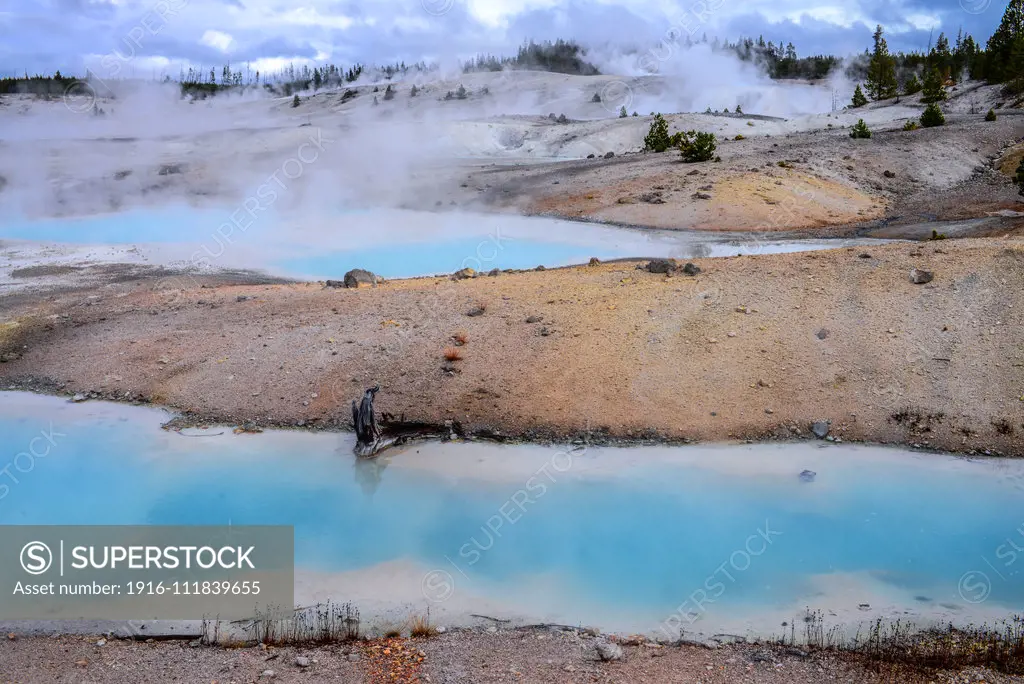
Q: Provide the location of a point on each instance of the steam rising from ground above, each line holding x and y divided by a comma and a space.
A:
152, 146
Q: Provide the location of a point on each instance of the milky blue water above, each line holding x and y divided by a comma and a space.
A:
627, 535
391, 243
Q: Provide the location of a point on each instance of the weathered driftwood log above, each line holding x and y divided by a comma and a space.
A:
369, 441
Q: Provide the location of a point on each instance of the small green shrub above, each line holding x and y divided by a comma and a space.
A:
991, 116
860, 130
738, 110
697, 146
657, 138
740, 137
859, 98
414, 91
596, 98
296, 101
932, 116
622, 112
911, 125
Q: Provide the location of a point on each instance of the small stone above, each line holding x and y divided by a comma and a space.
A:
195, 643
808, 476
821, 334
302, 661
534, 319
608, 651
268, 674
889, 174
820, 429
353, 657
79, 398
101, 642
609, 155
691, 269
920, 277
731, 334
769, 411
476, 311
864, 255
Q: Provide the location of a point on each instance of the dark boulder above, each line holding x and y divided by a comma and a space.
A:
358, 277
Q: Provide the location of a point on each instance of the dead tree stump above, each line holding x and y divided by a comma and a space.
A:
369, 441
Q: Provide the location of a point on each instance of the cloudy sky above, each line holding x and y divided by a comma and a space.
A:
121, 38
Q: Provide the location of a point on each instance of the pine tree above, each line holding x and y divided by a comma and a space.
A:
912, 86
940, 57
881, 81
932, 116
933, 90
860, 130
622, 112
657, 138
858, 98
413, 91
1005, 43
296, 101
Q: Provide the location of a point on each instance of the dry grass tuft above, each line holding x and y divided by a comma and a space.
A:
421, 627
452, 354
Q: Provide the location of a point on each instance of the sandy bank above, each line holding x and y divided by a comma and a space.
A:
754, 346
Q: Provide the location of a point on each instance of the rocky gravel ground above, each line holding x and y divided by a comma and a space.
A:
539, 654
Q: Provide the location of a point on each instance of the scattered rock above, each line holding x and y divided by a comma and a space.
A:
494, 272
353, 657
820, 429
691, 269
534, 319
864, 255
463, 274
79, 398
662, 266
540, 268
101, 642
302, 661
195, 643
592, 631
591, 156
808, 475
10, 356
170, 169
268, 674
821, 334
594, 261
608, 651
889, 174
358, 277
476, 311
920, 277
701, 196
652, 198
609, 155
242, 298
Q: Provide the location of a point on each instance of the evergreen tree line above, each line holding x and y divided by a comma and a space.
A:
883, 74
561, 56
